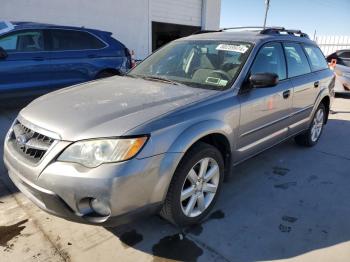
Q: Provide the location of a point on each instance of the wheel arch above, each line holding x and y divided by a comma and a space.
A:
326, 101
213, 132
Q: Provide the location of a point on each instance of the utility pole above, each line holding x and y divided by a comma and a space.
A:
267, 3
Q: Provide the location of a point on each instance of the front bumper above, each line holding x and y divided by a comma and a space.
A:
130, 189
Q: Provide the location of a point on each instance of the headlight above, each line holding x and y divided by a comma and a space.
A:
92, 153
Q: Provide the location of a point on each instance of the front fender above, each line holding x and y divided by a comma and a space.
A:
197, 131
179, 147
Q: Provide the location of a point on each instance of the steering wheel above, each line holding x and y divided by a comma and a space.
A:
222, 73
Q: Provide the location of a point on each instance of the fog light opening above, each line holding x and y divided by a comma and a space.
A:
100, 207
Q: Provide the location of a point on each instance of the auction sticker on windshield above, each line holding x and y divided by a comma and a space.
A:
232, 48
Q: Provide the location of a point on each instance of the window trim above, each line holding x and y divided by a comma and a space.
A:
49, 33
26, 30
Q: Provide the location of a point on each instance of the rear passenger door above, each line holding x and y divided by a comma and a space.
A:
264, 117
74, 56
305, 85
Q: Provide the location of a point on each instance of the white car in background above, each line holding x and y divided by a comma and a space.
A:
341, 63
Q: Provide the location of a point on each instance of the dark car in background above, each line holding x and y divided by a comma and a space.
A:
38, 58
340, 61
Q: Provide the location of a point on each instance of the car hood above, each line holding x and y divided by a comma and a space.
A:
108, 107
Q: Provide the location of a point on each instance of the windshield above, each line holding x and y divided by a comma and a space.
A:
203, 64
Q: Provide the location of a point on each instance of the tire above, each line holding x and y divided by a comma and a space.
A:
309, 138
105, 74
200, 193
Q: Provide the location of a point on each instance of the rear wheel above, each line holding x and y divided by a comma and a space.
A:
313, 134
195, 186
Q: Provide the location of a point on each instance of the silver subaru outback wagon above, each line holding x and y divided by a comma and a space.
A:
162, 138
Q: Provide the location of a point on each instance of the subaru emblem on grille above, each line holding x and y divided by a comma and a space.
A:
21, 140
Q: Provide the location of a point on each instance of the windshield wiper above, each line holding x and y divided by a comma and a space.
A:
161, 79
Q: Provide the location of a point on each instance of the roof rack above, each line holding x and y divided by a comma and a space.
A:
258, 28
262, 30
205, 31
282, 30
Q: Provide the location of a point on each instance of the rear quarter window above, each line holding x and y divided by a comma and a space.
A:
316, 58
74, 40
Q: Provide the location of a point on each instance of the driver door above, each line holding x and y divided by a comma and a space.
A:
264, 116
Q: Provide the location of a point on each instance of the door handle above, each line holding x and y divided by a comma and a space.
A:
286, 94
316, 84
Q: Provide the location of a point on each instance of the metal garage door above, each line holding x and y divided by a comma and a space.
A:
184, 12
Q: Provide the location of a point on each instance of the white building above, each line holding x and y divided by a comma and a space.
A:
142, 25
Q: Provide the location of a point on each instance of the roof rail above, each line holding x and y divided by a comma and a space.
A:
248, 27
258, 28
265, 31
206, 31
282, 30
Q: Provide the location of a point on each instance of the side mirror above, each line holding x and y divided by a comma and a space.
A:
3, 53
263, 80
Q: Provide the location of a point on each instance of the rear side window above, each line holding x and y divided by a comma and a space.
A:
296, 60
317, 59
23, 41
344, 54
74, 40
344, 58
270, 59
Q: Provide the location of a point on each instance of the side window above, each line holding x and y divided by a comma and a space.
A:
345, 54
344, 58
23, 41
270, 59
74, 40
317, 59
296, 60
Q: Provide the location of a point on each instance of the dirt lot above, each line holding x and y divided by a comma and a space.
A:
287, 203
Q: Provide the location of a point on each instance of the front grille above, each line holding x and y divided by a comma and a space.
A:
29, 143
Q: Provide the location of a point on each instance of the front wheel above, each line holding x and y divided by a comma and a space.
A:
195, 186
313, 134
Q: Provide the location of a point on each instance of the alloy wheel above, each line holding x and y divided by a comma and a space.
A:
317, 125
200, 187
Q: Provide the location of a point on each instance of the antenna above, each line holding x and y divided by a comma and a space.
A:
267, 3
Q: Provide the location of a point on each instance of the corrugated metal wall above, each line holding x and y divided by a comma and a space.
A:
184, 12
330, 44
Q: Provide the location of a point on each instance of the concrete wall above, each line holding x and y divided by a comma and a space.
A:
211, 14
128, 20
185, 12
